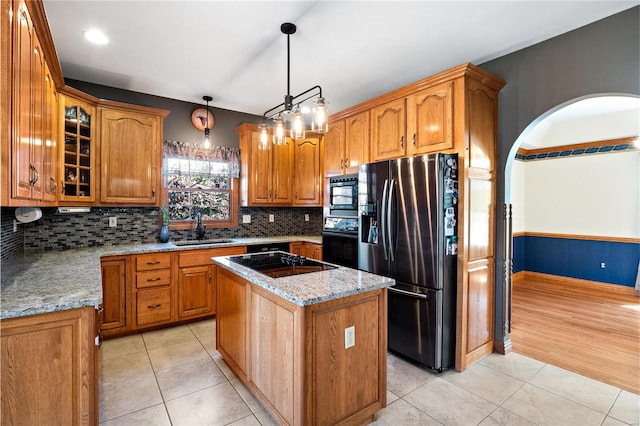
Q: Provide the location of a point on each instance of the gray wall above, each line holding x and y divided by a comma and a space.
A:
177, 125
599, 58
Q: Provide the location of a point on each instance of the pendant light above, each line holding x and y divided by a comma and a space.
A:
207, 136
319, 121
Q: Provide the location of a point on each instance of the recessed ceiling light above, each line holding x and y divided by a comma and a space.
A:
96, 36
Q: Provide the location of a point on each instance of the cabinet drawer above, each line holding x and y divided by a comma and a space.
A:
153, 278
203, 257
147, 262
153, 305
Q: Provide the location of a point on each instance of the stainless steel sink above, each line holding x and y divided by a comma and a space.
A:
201, 242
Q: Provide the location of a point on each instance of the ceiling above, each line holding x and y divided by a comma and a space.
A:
356, 50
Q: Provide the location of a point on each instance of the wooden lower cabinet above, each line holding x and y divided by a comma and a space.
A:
293, 358
49, 368
114, 300
306, 249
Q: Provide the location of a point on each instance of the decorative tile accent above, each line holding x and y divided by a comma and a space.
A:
562, 151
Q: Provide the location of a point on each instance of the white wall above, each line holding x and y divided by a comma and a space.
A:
597, 194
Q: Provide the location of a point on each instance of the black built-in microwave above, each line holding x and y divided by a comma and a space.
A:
343, 195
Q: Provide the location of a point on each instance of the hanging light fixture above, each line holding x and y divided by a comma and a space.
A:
207, 130
320, 114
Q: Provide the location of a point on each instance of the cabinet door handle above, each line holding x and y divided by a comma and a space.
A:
296, 195
153, 191
209, 278
157, 305
153, 279
342, 163
153, 263
62, 187
53, 185
414, 139
270, 192
346, 163
401, 141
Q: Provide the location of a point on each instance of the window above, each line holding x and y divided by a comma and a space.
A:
199, 180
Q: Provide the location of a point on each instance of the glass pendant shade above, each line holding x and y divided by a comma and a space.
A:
297, 124
264, 136
320, 121
207, 138
279, 130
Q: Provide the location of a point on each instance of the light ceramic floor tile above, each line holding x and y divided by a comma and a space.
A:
513, 364
209, 343
546, 408
122, 346
204, 328
502, 417
583, 390
610, 421
247, 421
450, 404
404, 377
152, 416
123, 397
217, 405
168, 336
265, 418
402, 413
246, 395
124, 367
391, 397
222, 365
627, 408
177, 354
188, 378
486, 382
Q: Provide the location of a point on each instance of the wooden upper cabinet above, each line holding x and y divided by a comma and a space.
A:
334, 155
430, 120
130, 155
388, 130
266, 174
307, 185
356, 142
346, 145
78, 149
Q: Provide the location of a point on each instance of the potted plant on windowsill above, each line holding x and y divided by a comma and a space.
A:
164, 230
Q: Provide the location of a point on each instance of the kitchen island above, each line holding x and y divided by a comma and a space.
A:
311, 347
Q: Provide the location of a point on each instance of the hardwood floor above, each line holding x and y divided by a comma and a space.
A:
590, 329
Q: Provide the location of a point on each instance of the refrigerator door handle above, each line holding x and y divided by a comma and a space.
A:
408, 293
384, 218
391, 226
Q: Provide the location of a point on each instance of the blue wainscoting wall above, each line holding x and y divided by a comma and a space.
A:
577, 258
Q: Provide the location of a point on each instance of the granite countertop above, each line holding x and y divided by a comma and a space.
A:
314, 287
35, 283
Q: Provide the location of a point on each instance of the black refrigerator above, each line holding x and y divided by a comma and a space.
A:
408, 211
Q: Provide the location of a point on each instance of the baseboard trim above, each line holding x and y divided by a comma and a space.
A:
568, 281
503, 347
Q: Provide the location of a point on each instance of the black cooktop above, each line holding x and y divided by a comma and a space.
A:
278, 264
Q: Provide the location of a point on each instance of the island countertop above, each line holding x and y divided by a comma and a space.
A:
311, 288
35, 283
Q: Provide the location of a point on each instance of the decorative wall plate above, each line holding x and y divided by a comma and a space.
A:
199, 119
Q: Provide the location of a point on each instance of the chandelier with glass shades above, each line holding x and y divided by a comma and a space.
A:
297, 125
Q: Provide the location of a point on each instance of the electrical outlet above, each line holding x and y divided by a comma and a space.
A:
306, 217
272, 218
15, 225
350, 337
113, 221
246, 218
603, 265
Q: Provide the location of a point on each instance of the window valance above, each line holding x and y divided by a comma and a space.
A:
187, 151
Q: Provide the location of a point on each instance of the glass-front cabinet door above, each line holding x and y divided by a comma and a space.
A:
78, 152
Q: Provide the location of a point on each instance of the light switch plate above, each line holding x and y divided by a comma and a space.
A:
272, 218
306, 217
246, 218
113, 221
349, 337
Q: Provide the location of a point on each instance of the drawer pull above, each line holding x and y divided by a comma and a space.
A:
157, 305
153, 263
153, 279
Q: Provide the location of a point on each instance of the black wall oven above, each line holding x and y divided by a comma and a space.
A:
340, 241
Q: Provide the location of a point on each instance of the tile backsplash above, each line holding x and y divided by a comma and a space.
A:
56, 231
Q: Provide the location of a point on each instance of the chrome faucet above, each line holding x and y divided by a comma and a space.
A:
200, 229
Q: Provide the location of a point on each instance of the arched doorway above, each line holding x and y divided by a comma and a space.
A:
608, 106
